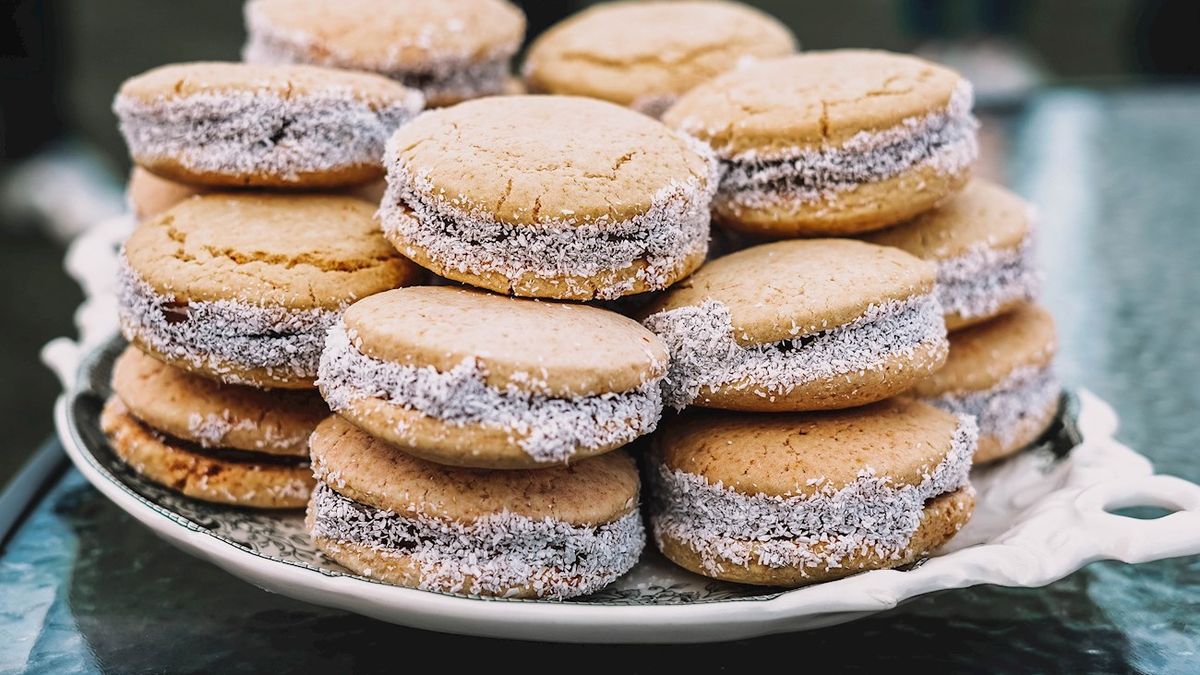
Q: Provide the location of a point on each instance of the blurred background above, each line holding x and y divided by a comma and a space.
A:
62, 164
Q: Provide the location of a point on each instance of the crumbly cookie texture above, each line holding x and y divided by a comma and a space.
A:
705, 355
623, 209
547, 428
287, 126
451, 50
500, 554
645, 54
818, 528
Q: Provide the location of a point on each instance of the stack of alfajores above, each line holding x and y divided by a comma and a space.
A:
825, 421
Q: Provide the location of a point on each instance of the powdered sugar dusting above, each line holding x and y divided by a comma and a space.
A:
1026, 393
983, 279
224, 335
450, 76
674, 229
548, 429
705, 355
944, 140
493, 555
239, 133
869, 516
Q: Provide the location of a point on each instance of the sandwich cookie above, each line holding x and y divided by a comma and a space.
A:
835, 142
549, 196
243, 287
148, 195
800, 325
793, 499
467, 378
645, 54
211, 441
235, 125
1001, 372
552, 533
982, 243
451, 50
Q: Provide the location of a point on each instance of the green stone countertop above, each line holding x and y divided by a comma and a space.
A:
1116, 177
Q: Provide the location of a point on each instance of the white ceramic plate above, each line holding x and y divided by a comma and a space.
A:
1040, 516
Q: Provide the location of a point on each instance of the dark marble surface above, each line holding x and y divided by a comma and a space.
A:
1117, 181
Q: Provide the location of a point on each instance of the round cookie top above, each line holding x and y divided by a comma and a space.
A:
984, 355
622, 51
592, 491
982, 214
393, 35
801, 453
789, 289
183, 80
297, 251
545, 159
212, 414
775, 107
555, 349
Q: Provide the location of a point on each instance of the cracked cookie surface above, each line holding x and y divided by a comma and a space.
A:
832, 143
519, 195
243, 287
645, 54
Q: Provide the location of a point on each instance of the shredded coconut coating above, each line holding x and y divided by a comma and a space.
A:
498, 553
1027, 392
244, 132
943, 140
209, 431
216, 335
869, 516
704, 353
548, 429
984, 279
674, 229
448, 79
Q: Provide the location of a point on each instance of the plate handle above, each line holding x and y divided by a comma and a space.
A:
1134, 540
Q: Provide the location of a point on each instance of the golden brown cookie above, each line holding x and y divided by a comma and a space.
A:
451, 50
827, 143
645, 54
388, 515
793, 499
1001, 371
240, 125
468, 378
222, 476
800, 325
242, 287
982, 243
212, 414
149, 195
548, 196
